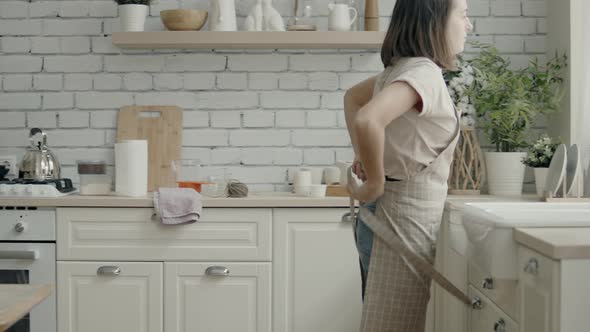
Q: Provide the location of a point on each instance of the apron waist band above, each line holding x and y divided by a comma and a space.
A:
390, 179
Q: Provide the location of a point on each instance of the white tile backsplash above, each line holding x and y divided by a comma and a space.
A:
258, 112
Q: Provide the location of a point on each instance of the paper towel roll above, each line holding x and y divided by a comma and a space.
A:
131, 168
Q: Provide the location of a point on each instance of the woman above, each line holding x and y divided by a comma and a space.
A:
404, 128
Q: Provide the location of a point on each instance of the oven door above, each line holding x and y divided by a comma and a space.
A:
31, 263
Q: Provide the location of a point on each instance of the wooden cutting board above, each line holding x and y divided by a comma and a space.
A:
161, 126
337, 190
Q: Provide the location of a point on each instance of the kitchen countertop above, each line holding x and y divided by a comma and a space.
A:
456, 201
263, 199
556, 243
17, 300
270, 199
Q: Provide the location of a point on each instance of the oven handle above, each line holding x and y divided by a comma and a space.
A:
19, 254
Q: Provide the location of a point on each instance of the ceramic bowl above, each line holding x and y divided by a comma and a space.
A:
183, 19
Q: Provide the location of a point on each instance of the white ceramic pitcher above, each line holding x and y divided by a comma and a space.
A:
339, 17
222, 16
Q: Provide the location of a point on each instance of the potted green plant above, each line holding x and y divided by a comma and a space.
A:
507, 102
539, 157
132, 14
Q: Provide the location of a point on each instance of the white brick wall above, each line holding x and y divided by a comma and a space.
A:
260, 113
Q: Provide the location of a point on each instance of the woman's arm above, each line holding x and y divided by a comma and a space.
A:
355, 98
368, 126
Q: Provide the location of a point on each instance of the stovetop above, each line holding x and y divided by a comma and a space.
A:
25, 187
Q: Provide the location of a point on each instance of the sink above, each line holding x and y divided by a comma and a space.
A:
489, 229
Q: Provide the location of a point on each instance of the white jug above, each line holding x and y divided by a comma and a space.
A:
339, 17
343, 166
222, 15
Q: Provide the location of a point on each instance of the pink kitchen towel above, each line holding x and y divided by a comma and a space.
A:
178, 205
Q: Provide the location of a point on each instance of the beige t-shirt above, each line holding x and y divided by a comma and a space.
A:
416, 138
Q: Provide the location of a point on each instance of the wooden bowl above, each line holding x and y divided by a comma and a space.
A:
183, 19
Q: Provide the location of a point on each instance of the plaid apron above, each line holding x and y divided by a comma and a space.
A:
397, 294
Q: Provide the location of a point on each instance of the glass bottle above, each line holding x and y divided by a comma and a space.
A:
355, 4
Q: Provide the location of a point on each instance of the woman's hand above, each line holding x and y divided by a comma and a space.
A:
357, 169
368, 191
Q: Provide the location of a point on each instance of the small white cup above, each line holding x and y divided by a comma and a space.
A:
317, 190
304, 191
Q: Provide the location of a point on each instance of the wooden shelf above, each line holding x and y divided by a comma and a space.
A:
250, 39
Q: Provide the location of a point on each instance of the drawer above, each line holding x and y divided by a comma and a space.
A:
489, 317
222, 234
503, 292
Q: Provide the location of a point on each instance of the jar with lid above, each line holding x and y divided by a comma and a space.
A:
94, 179
303, 19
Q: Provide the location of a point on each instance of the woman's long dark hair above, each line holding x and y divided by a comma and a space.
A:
418, 29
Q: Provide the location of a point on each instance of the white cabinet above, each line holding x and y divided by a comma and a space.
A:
539, 278
220, 297
554, 293
109, 296
317, 285
233, 295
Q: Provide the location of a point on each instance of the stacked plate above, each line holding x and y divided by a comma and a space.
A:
566, 164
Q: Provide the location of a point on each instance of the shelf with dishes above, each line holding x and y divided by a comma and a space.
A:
249, 39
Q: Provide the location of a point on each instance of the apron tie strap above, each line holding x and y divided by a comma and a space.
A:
393, 241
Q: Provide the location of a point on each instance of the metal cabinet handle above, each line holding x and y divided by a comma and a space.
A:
500, 326
19, 254
532, 266
108, 270
19, 227
347, 217
476, 303
488, 283
217, 271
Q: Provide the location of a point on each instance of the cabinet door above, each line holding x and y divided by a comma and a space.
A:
450, 313
219, 297
539, 306
109, 296
317, 285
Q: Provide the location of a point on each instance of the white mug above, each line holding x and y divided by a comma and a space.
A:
222, 16
331, 175
339, 17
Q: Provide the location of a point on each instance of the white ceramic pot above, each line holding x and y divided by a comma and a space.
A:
132, 17
540, 179
505, 172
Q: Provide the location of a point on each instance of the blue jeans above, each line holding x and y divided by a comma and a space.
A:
364, 244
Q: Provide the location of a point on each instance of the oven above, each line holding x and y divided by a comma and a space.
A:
27, 256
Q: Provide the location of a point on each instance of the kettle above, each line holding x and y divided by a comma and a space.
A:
39, 163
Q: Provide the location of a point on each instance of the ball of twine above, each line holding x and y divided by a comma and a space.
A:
236, 188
